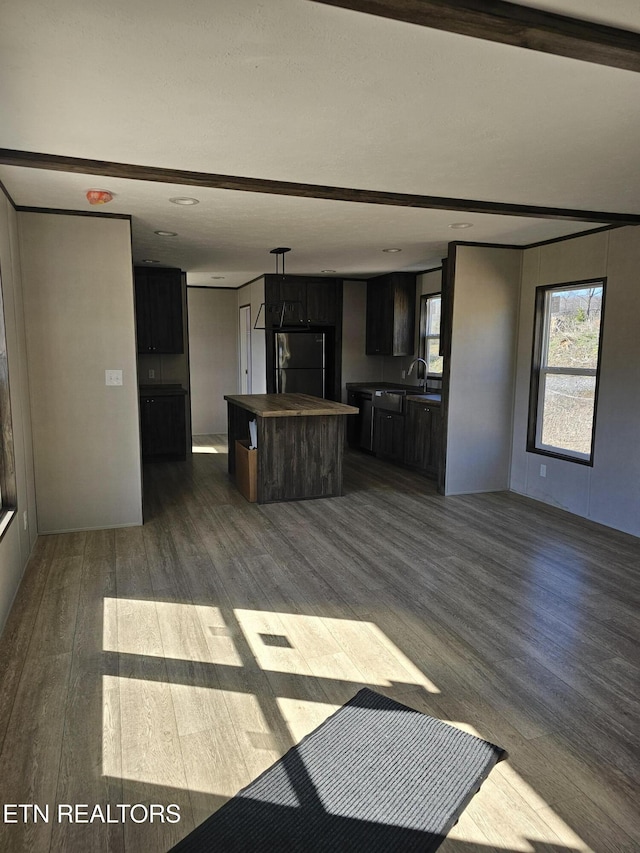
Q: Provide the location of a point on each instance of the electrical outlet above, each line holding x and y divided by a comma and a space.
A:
543, 470
152, 373
24, 519
113, 377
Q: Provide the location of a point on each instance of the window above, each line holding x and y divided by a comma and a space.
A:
430, 308
7, 462
566, 363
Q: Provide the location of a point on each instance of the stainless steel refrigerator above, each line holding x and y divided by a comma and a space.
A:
300, 363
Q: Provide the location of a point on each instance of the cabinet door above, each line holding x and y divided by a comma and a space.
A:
404, 314
321, 302
435, 443
354, 422
422, 437
418, 435
388, 435
144, 332
163, 427
294, 296
159, 310
379, 318
166, 301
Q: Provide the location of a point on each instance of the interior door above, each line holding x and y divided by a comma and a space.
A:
245, 349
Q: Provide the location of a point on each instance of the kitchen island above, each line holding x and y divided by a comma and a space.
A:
300, 443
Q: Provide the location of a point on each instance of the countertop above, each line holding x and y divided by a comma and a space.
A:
414, 394
288, 405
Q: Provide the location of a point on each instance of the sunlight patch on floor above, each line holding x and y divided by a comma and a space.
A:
344, 649
204, 448
303, 716
181, 736
167, 629
506, 813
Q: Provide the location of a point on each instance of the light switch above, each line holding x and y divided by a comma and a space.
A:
113, 377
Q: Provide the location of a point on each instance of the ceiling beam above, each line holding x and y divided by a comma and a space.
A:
156, 174
510, 23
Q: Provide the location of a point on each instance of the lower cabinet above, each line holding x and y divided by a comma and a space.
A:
389, 435
422, 437
163, 425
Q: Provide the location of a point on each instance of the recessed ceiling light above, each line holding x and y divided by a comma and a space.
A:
392, 250
184, 200
327, 270
461, 225
149, 261
217, 276
166, 233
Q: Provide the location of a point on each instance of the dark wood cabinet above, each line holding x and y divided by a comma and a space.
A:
301, 301
388, 435
391, 314
322, 302
423, 437
163, 426
158, 295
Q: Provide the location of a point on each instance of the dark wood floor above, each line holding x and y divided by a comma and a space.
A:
174, 662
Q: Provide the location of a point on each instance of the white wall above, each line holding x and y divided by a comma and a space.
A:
253, 294
482, 369
609, 492
79, 319
213, 355
17, 542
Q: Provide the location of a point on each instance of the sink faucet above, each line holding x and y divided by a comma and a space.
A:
426, 370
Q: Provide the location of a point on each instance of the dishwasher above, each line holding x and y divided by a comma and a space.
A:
360, 430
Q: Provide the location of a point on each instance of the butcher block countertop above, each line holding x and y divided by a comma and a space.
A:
288, 405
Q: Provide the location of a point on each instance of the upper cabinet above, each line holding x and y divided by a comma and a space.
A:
391, 314
159, 310
301, 300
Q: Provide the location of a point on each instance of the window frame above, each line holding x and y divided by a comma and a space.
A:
539, 370
424, 337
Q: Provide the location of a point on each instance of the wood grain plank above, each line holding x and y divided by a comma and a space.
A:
90, 746
30, 757
16, 636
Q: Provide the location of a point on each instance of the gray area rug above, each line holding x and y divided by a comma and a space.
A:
375, 776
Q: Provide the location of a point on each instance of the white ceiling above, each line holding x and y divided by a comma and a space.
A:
298, 91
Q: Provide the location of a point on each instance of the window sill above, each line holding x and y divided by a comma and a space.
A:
559, 455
